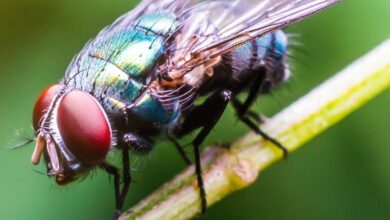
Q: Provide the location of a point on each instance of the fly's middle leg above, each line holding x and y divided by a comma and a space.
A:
204, 116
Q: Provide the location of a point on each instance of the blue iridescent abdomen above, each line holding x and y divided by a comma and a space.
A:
265, 55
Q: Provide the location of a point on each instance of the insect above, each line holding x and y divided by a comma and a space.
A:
139, 78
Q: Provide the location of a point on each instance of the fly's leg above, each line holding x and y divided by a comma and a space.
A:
245, 115
254, 90
126, 177
254, 127
180, 149
139, 144
243, 109
114, 171
205, 116
259, 119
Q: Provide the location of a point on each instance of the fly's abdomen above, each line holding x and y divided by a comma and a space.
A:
266, 55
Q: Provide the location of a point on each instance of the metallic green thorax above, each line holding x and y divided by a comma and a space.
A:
114, 67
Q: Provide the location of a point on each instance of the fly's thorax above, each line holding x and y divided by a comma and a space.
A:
73, 132
115, 68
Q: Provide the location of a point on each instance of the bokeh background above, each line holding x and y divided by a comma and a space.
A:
342, 174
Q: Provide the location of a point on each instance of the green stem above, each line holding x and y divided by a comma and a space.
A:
227, 170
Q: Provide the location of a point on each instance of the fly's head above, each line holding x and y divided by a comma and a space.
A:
72, 131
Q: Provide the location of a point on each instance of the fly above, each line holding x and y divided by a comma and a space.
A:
139, 78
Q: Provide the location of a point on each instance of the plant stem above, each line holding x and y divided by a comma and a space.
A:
227, 170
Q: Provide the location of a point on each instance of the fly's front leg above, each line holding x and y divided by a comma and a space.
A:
205, 116
120, 194
136, 143
114, 171
126, 176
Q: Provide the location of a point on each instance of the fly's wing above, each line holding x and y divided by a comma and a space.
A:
144, 7
208, 28
211, 28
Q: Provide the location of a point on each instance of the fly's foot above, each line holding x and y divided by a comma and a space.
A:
117, 214
255, 128
272, 140
225, 145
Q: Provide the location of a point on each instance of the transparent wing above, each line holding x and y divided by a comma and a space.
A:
144, 7
267, 16
208, 28
211, 28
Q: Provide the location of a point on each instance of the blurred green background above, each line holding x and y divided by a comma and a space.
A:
342, 174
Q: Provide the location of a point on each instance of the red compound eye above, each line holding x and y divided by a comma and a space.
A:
43, 102
84, 127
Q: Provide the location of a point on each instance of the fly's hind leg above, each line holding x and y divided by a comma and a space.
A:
204, 116
254, 90
254, 127
247, 116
